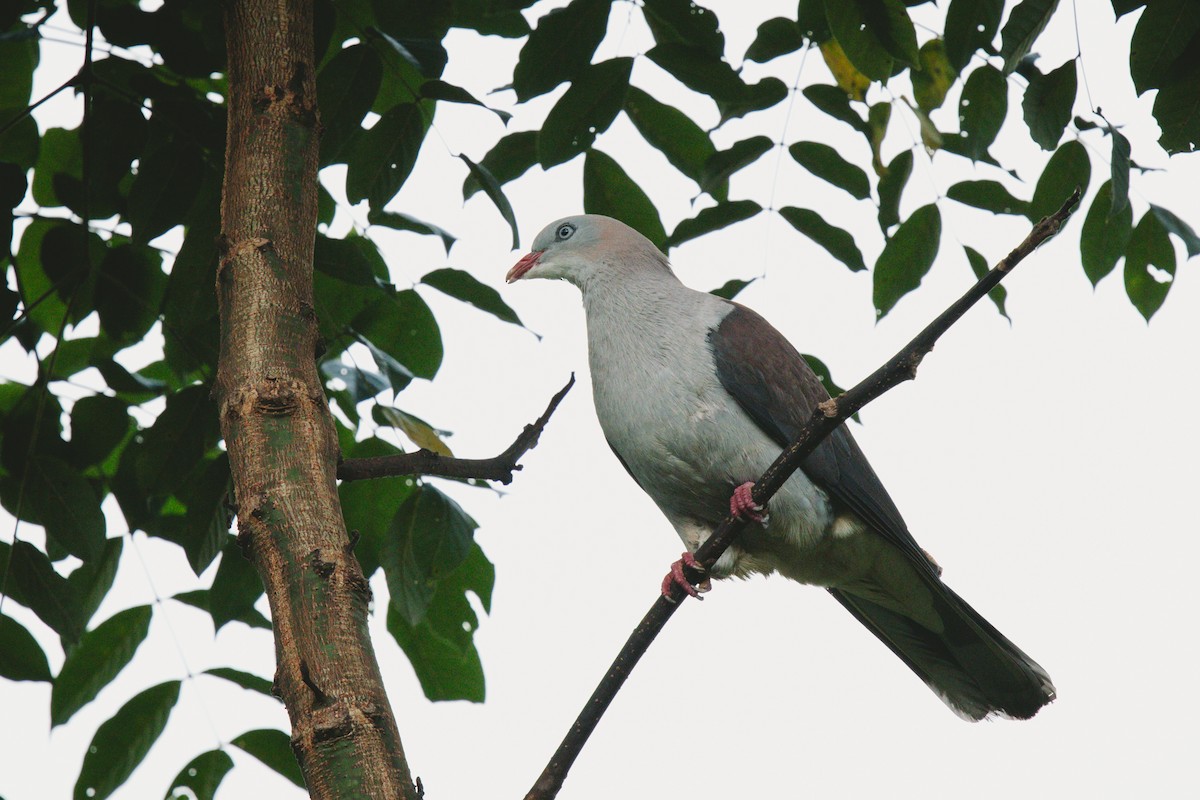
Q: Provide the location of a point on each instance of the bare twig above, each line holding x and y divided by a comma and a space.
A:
426, 462
824, 420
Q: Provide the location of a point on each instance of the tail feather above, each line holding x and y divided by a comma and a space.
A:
970, 665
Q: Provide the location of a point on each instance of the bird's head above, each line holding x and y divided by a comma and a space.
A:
584, 247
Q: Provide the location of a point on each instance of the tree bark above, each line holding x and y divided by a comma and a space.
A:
275, 419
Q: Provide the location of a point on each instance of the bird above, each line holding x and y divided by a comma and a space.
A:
697, 395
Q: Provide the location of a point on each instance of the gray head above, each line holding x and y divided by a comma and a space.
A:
588, 247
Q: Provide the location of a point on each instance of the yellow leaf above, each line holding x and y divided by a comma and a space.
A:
853, 82
420, 432
878, 117
934, 78
930, 135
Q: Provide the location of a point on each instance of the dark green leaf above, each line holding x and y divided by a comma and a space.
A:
19, 141
891, 187
608, 190
970, 26
199, 598
190, 305
59, 168
712, 219
1149, 246
685, 22
20, 57
982, 109
827, 164
1123, 7
755, 97
206, 525
1067, 169
364, 385
858, 37
818, 366
810, 16
979, 267
889, 21
123, 741
368, 510
448, 92
699, 70
246, 680
464, 286
347, 259
426, 55
836, 103
129, 291
1164, 33
724, 163
404, 222
674, 134
236, 587
491, 187
776, 37
1175, 225
346, 90
907, 257
1177, 110
21, 657
1026, 22
380, 160
837, 241
586, 110
1120, 172
67, 506
732, 288
430, 536
177, 441
404, 328
988, 195
1104, 238
508, 160
1048, 102
168, 180
274, 749
98, 658
560, 46
90, 582
201, 778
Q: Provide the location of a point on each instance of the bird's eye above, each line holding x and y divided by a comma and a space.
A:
564, 231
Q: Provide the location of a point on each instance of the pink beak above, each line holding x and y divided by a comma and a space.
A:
524, 265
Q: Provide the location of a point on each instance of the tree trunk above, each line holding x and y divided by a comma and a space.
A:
280, 435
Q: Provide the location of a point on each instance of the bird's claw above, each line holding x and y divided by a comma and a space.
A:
677, 577
742, 505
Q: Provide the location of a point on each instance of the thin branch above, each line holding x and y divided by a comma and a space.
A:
426, 462
824, 420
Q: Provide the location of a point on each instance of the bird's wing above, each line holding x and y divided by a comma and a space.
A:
773, 383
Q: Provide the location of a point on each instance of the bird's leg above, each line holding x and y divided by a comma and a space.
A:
677, 577
742, 505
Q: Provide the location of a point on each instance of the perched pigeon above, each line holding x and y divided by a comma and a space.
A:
697, 395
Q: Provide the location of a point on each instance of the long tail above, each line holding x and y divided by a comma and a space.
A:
969, 664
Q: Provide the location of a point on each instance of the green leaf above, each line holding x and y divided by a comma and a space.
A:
970, 26
98, 658
559, 47
827, 164
368, 510
585, 110
206, 525
878, 117
732, 288
363, 385
699, 70
235, 588
347, 259
1158, 49
836, 103
608, 190
19, 141
429, 537
129, 291
404, 328
1067, 169
889, 21
20, 57
1175, 225
124, 740
274, 749
988, 195
776, 37
907, 257
1149, 246
201, 778
1026, 22
168, 180
837, 241
491, 187
59, 168
418, 431
449, 93
1120, 172
67, 506
848, 21
1048, 102
464, 286
682, 21
711, 219
199, 598
380, 159
1177, 110
176, 443
673, 134
891, 187
508, 160
933, 80
21, 657
346, 89
724, 163
979, 267
982, 109
404, 222
826, 377
1104, 238
764, 94
90, 582
246, 680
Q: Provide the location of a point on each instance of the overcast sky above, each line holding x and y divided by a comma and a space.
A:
1047, 465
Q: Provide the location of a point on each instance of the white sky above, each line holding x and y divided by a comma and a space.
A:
1047, 465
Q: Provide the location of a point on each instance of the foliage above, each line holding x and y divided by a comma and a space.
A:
148, 162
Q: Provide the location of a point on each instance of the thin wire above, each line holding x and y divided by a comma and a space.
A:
787, 119
1079, 55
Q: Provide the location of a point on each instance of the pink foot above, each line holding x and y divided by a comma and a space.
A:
676, 577
742, 504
